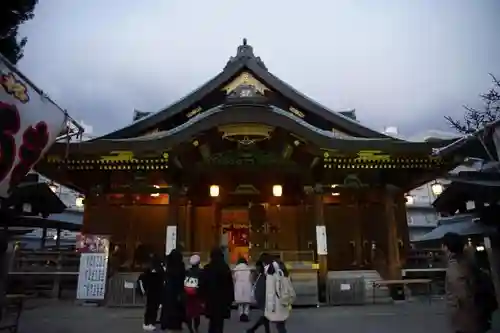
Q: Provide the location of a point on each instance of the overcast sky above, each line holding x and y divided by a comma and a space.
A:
402, 62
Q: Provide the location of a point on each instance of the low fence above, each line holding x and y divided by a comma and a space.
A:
44, 273
346, 291
121, 291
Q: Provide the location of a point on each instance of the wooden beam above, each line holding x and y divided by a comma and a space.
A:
177, 162
314, 162
205, 151
287, 151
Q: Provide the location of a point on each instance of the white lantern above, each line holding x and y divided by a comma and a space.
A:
437, 189
410, 200
53, 187
277, 190
214, 190
79, 202
155, 194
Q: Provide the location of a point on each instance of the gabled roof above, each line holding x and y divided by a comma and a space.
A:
245, 60
246, 114
483, 144
482, 186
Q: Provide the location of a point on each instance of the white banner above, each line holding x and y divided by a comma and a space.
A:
171, 239
29, 125
321, 240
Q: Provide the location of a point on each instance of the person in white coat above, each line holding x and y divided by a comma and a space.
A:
279, 295
242, 276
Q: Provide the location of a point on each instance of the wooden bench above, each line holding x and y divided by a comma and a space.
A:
11, 313
405, 282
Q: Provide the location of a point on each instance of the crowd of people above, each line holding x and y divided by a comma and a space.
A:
183, 296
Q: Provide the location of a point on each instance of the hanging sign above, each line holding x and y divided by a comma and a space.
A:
29, 123
321, 241
94, 251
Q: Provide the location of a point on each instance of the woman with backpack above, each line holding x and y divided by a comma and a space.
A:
279, 295
150, 285
194, 304
274, 294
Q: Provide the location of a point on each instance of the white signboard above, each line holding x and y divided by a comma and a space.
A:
345, 287
29, 124
94, 251
321, 241
92, 276
171, 239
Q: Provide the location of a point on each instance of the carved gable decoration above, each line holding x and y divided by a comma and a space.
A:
339, 134
153, 131
246, 85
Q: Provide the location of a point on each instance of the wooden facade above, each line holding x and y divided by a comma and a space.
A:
247, 131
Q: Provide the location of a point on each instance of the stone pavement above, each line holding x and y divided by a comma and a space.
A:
415, 317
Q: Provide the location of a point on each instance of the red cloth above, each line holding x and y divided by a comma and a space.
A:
194, 307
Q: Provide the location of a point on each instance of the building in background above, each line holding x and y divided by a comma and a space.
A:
73, 214
421, 215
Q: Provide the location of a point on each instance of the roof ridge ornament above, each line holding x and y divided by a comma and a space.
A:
245, 53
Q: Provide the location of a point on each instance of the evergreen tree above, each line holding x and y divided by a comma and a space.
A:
13, 13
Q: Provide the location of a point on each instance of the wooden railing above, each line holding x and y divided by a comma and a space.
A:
43, 272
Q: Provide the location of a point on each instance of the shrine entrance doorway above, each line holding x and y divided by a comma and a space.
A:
235, 233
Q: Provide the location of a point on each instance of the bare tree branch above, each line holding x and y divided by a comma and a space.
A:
475, 119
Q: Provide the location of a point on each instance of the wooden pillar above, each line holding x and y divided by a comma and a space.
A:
217, 216
43, 238
172, 220
302, 221
321, 241
56, 287
58, 237
188, 230
350, 203
393, 268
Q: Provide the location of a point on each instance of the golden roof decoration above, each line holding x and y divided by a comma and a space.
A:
253, 130
246, 79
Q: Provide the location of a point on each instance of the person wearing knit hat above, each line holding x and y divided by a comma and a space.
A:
194, 306
194, 260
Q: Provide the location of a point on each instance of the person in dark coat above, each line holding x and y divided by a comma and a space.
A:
172, 310
259, 294
4, 267
194, 304
217, 291
150, 284
460, 290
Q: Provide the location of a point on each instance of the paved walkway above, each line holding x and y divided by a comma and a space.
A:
407, 317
